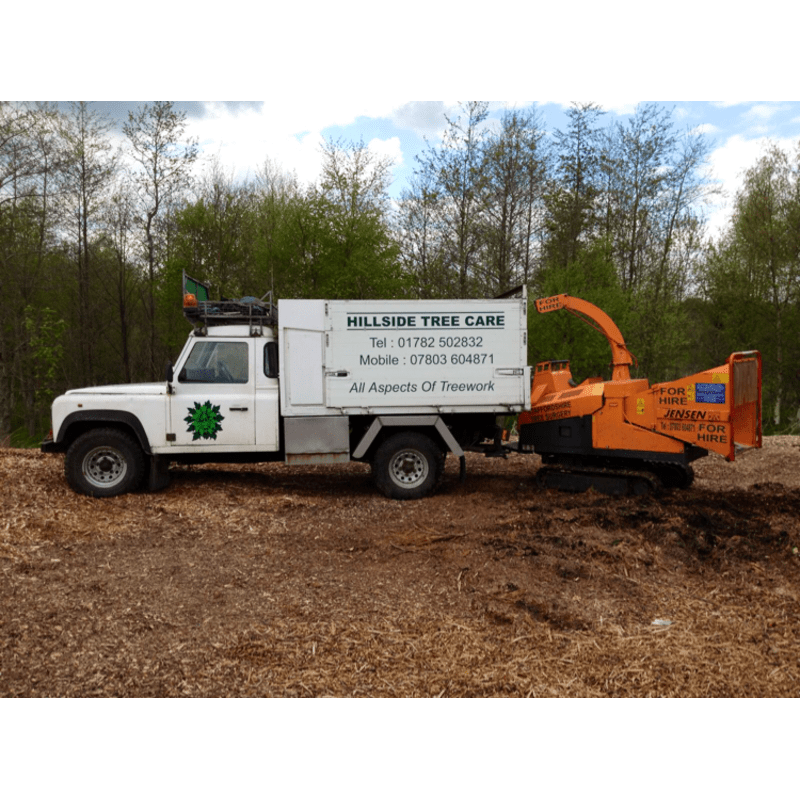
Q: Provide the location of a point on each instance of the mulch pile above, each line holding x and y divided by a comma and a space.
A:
275, 581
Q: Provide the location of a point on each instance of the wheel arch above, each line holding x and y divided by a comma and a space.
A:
384, 427
79, 422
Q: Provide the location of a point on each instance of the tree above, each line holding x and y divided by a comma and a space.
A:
352, 202
89, 166
164, 161
454, 169
420, 238
513, 170
19, 157
211, 233
592, 276
122, 284
752, 276
653, 195
654, 186
275, 193
29, 165
574, 189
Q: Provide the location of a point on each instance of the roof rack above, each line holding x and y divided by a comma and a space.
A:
203, 312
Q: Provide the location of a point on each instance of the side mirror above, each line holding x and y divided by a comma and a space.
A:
169, 376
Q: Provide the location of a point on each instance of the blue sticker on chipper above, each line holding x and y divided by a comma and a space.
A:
709, 393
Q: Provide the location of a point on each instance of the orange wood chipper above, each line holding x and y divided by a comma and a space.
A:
624, 436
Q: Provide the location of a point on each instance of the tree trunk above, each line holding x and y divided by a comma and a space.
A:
779, 358
6, 400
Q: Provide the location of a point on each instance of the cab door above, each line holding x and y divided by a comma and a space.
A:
213, 408
267, 399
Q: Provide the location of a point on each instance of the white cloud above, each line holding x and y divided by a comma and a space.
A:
614, 106
424, 117
706, 128
728, 163
290, 135
388, 148
763, 111
511, 104
619, 107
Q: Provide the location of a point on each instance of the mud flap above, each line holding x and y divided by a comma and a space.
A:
158, 474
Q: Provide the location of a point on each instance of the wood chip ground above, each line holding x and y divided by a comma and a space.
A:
274, 581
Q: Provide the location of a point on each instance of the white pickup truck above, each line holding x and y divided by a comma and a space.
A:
396, 383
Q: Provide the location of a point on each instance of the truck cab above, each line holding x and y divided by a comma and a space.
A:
223, 396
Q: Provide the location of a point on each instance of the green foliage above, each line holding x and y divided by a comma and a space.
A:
172, 325
633, 194
469, 221
562, 335
751, 280
327, 241
659, 335
571, 202
209, 241
357, 258
45, 334
357, 254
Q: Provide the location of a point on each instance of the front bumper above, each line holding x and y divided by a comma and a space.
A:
48, 445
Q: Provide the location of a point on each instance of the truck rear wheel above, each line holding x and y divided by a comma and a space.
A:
104, 463
407, 466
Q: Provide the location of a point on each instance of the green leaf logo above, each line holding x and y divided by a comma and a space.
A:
204, 421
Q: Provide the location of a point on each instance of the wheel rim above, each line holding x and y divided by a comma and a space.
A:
409, 468
104, 466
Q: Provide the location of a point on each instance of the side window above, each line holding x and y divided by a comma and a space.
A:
216, 362
271, 359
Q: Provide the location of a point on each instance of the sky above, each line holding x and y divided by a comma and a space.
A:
243, 134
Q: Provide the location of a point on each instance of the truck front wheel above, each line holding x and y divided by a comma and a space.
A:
407, 466
104, 463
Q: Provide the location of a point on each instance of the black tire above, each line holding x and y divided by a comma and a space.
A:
440, 465
104, 462
407, 466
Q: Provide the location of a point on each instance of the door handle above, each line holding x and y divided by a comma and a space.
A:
238, 408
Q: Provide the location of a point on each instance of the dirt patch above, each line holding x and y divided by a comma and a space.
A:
277, 581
